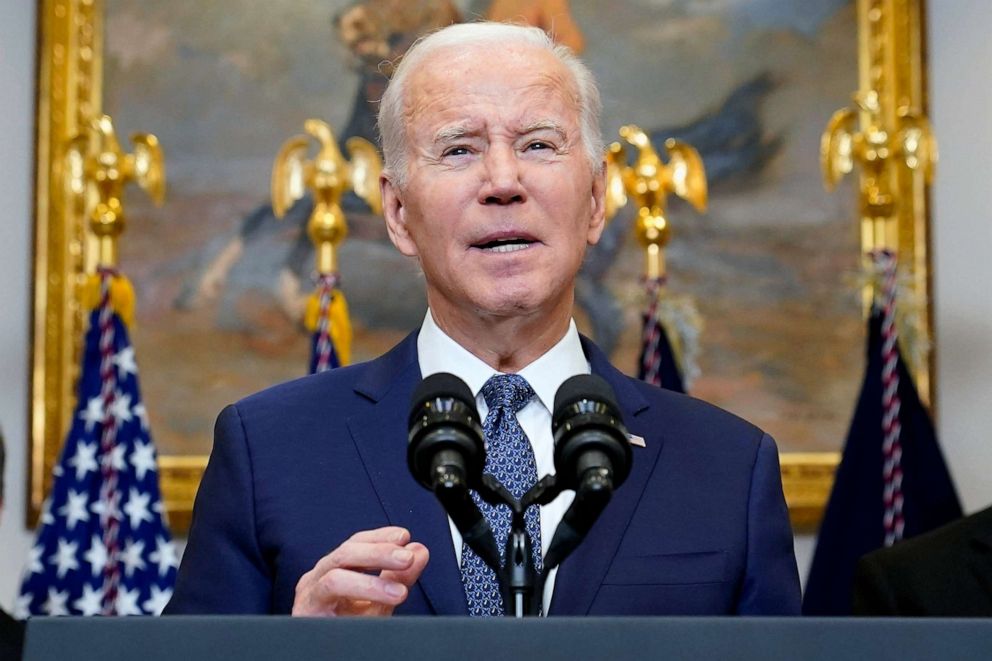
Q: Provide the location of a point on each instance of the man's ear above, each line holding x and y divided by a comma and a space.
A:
395, 213
598, 220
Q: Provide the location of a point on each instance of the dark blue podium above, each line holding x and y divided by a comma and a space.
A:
463, 639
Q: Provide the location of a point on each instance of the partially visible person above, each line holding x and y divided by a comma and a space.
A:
944, 573
11, 630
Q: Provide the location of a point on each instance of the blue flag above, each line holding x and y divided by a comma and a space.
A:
855, 519
103, 546
656, 362
323, 355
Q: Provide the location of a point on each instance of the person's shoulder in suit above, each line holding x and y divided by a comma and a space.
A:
945, 572
330, 392
711, 455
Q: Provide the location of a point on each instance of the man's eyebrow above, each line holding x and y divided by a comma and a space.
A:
449, 133
545, 125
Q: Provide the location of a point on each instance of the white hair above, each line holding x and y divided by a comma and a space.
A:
392, 132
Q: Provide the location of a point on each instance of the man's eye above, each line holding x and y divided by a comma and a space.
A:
455, 151
539, 144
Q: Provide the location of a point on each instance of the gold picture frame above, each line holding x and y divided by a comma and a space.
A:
69, 94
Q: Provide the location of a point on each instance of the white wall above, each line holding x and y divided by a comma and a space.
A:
961, 111
961, 92
17, 89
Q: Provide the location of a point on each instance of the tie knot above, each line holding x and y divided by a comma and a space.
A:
509, 391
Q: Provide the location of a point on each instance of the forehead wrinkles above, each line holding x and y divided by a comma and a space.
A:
433, 86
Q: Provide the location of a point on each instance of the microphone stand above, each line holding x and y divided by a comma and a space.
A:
521, 585
517, 576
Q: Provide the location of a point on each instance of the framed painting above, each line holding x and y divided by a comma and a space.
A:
221, 282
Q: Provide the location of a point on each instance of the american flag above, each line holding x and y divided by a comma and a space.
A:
103, 547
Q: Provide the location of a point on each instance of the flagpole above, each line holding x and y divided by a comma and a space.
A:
327, 177
649, 181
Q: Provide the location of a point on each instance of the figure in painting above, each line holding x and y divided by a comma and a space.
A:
552, 16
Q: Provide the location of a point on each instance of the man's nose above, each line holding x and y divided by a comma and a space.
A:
502, 183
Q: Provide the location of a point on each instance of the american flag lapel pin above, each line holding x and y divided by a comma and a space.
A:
636, 440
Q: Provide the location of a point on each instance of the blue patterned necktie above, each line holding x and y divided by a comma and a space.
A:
510, 459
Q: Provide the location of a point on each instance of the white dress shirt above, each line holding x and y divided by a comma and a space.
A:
439, 353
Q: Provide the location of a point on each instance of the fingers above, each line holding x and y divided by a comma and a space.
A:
371, 550
409, 575
368, 574
344, 585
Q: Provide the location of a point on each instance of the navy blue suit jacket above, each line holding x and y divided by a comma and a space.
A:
700, 526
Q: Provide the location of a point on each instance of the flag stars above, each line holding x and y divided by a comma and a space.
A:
157, 601
65, 558
127, 601
164, 556
131, 558
74, 509
116, 458
96, 556
120, 408
55, 604
136, 508
141, 413
93, 414
84, 460
143, 459
91, 601
46, 513
124, 360
106, 510
34, 560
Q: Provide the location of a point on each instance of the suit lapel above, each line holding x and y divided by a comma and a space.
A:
582, 573
380, 435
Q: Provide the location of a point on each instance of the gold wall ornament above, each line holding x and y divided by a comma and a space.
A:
887, 135
649, 182
70, 75
328, 176
97, 171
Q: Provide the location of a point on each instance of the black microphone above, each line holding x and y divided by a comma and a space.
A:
591, 446
592, 456
446, 454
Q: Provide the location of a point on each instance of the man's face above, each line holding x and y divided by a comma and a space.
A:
500, 200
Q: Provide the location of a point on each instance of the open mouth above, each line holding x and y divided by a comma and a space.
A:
508, 244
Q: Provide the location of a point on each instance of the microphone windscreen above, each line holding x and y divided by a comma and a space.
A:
584, 386
441, 385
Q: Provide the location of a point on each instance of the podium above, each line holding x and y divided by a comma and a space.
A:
542, 639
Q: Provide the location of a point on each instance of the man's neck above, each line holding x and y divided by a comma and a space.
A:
506, 343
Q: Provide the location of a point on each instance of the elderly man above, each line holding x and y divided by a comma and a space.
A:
494, 182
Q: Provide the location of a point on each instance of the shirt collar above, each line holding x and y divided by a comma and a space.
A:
437, 352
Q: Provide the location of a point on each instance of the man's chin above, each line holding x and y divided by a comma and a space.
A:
509, 304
